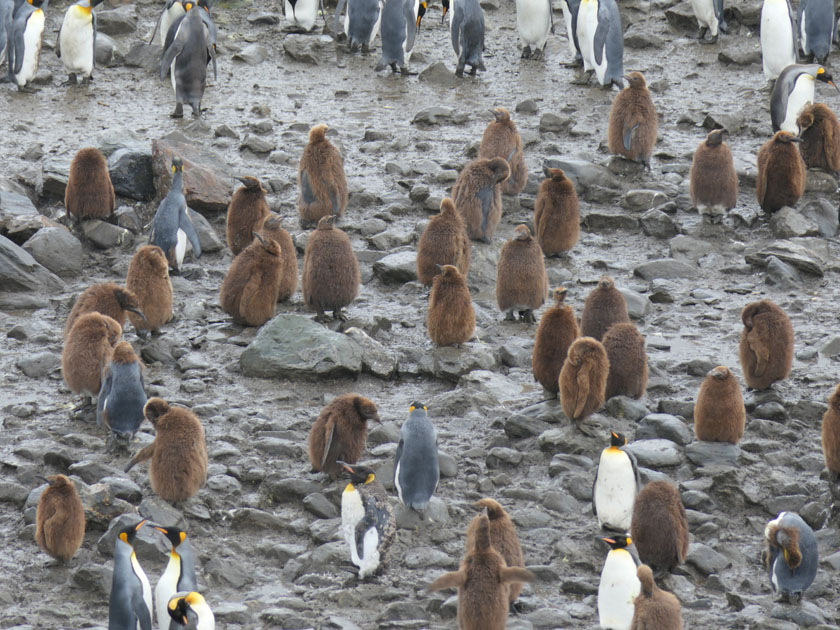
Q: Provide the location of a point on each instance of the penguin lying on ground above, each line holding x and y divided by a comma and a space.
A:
76, 44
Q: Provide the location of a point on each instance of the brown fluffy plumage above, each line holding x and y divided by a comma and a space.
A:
557, 331
249, 292
272, 227
148, 279
625, 347
477, 194
331, 274
501, 139
659, 527
789, 542
503, 538
108, 299
766, 347
178, 466
322, 184
655, 609
831, 433
605, 305
719, 414
820, 133
444, 242
633, 121
245, 213
780, 180
521, 281
451, 318
713, 180
557, 213
89, 193
583, 378
340, 432
87, 350
60, 527
483, 583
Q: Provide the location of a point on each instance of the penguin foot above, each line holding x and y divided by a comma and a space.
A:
577, 63
339, 314
179, 111
28, 89
701, 34
71, 80
526, 53
322, 317
510, 317
537, 55
707, 42
5, 79
515, 608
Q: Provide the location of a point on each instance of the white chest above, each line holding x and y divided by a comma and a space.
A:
77, 41
704, 11
533, 21
144, 581
777, 50
586, 24
166, 587
304, 14
615, 490
802, 94
618, 588
32, 47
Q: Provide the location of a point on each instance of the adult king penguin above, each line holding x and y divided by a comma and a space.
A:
361, 22
131, 596
778, 37
619, 585
192, 611
601, 41
816, 28
416, 469
7, 10
709, 14
76, 45
25, 43
570, 16
399, 25
792, 91
792, 555
615, 486
186, 60
172, 11
302, 14
178, 576
466, 30
172, 226
535, 21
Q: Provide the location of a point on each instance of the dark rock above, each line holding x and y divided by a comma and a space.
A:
284, 489
19, 271
210, 241
119, 21
132, 174
439, 74
782, 274
626, 408
706, 559
108, 53
319, 505
806, 254
437, 115
658, 224
57, 250
142, 55
787, 223
54, 173
554, 123
824, 214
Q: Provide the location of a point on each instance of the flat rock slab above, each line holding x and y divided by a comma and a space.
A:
584, 174
657, 452
57, 250
713, 453
806, 254
397, 268
19, 271
666, 268
314, 50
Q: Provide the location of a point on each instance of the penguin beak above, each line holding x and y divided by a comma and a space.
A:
259, 236
796, 139
609, 541
346, 466
439, 267
42, 478
161, 530
831, 83
241, 179
137, 311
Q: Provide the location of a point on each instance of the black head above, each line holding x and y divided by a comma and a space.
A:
618, 542
825, 76
174, 535
617, 439
445, 5
359, 475
128, 534
715, 137
417, 405
421, 11
177, 165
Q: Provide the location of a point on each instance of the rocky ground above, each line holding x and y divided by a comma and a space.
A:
265, 529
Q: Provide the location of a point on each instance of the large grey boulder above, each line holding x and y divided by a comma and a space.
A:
19, 271
57, 250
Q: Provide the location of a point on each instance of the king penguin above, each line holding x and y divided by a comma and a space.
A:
416, 467
172, 11
709, 14
601, 40
793, 90
398, 28
778, 37
466, 30
186, 58
619, 585
172, 226
190, 610
792, 555
76, 45
570, 16
122, 397
535, 21
178, 576
131, 596
25, 44
302, 14
361, 22
7, 11
367, 519
816, 29
615, 486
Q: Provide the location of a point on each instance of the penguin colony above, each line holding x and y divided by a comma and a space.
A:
766, 349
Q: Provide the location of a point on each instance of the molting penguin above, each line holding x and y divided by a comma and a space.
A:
583, 378
820, 133
778, 37
107, 298
831, 434
60, 518
501, 139
24, 46
633, 121
89, 193
172, 226
191, 610
272, 228
713, 181
361, 22
186, 60
398, 28
443, 242
570, 15
659, 526
148, 279
76, 45
719, 413
367, 520
131, 595
87, 350
340, 432
557, 331
467, 33
709, 14
503, 538
178, 576
122, 397
655, 609
619, 584
616, 485
534, 20
601, 41
477, 194
625, 347
302, 13
816, 29
322, 184
245, 213
250, 289
766, 347
557, 213
331, 275
780, 180
521, 280
792, 91
416, 468
604, 306
451, 317
792, 555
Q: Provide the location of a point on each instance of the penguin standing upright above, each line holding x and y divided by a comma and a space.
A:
178, 576
466, 30
397, 30
7, 10
122, 397
778, 37
655, 609
186, 59
713, 181
76, 45
709, 14
25, 44
601, 40
60, 528
535, 21
570, 16
633, 121
172, 11
416, 468
245, 213
792, 91
361, 22
816, 28
192, 611
792, 555
131, 595
615, 485
172, 226
302, 14
619, 585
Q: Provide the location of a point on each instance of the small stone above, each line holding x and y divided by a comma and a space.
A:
437, 115
655, 452
787, 223
252, 54
528, 106
638, 305
320, 506
311, 49
824, 215
207, 237
500, 456
376, 358
781, 274
397, 268
132, 174
637, 200
106, 235
553, 123
119, 21
658, 224
666, 426
706, 559
256, 145
438, 74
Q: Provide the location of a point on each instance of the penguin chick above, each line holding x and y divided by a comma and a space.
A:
130, 606
245, 213
503, 538
24, 45
398, 28
781, 173
122, 397
820, 133
831, 434
816, 29
340, 432
792, 91
604, 306
719, 413
713, 181
443, 242
600, 38
501, 139
178, 576
451, 318
583, 378
483, 582
148, 279
191, 610
331, 275
477, 194
178, 466
172, 226
792, 555
557, 214
659, 527
557, 331
655, 609
467, 33
249, 291
778, 37
619, 585
60, 519
272, 228
367, 520
633, 121
766, 347
87, 350
89, 193
625, 347
108, 299
185, 60
77, 39
534, 21
616, 485
521, 281
416, 467
322, 184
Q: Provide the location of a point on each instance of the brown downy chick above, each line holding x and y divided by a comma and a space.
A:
633, 121
249, 291
109, 299
87, 350
322, 183
444, 242
557, 213
521, 281
605, 305
477, 194
655, 609
820, 133
89, 193
719, 413
713, 181
503, 538
625, 347
148, 279
451, 318
831, 434
583, 378
245, 213
780, 180
557, 331
659, 527
501, 139
340, 432
272, 227
331, 275
766, 348
60, 519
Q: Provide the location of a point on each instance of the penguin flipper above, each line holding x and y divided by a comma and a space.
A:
251, 301
173, 50
338, 10
397, 457
211, 52
329, 433
306, 188
717, 5
410, 25
189, 229
761, 351
20, 27
142, 455
453, 579
455, 30
602, 30
551, 17
594, 483
635, 465
105, 390
144, 617
582, 393
485, 195
58, 41
628, 136
93, 22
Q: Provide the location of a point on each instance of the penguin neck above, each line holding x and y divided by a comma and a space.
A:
178, 181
